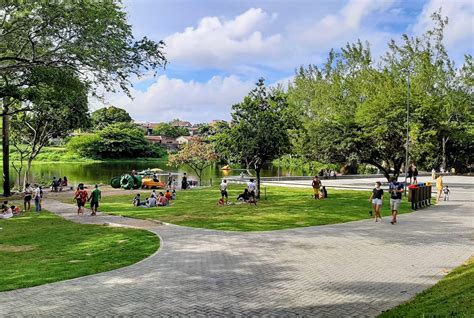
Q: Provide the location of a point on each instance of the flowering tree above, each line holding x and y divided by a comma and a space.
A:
196, 155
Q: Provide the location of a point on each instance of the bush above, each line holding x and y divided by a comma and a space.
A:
116, 141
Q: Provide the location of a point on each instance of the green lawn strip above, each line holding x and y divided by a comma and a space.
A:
38, 249
453, 296
284, 208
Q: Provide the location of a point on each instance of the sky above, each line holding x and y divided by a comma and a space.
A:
218, 49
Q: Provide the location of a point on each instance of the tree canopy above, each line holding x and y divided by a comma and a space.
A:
354, 110
109, 115
166, 129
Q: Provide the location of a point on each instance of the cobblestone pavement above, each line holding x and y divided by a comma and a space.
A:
353, 269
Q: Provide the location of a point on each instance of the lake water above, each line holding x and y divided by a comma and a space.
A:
102, 172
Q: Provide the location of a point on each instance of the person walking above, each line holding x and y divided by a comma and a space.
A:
377, 200
439, 188
396, 190
446, 192
27, 199
184, 182
410, 173
81, 198
95, 197
223, 188
316, 186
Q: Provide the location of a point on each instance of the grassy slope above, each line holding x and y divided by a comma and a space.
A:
453, 296
284, 208
38, 249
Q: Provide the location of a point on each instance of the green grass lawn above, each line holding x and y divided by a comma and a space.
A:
284, 208
453, 296
38, 249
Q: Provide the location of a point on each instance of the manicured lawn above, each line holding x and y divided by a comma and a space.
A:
453, 296
284, 208
39, 249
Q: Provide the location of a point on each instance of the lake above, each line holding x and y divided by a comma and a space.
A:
102, 172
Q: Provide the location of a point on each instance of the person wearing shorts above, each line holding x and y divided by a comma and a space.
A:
95, 198
81, 198
28, 196
377, 200
223, 188
396, 190
316, 186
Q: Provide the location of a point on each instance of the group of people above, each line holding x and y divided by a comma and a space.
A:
326, 173
35, 193
155, 199
59, 184
81, 196
377, 196
249, 195
319, 191
412, 174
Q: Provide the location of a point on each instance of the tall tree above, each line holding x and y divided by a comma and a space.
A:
259, 128
56, 109
92, 39
109, 115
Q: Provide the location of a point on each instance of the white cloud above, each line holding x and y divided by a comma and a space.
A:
216, 42
169, 98
459, 33
344, 24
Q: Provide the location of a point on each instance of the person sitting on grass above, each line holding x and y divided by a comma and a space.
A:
153, 194
6, 212
173, 195
136, 200
163, 201
244, 197
168, 195
151, 202
323, 194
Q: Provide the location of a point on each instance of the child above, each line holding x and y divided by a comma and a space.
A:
446, 192
173, 195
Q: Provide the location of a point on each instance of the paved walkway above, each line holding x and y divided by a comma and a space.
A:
353, 269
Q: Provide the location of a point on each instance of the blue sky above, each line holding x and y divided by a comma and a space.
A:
217, 49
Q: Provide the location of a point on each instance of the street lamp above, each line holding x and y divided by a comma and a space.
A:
408, 128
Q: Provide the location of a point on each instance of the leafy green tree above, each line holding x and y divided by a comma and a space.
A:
196, 155
166, 129
92, 39
259, 129
354, 111
116, 141
109, 115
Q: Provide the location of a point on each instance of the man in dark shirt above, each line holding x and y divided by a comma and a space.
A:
396, 190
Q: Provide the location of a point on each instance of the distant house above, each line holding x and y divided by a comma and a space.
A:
179, 123
168, 143
183, 139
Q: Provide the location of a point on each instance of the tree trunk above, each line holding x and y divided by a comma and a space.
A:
257, 172
6, 149
443, 164
27, 172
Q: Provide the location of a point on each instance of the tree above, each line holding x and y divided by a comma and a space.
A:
93, 40
116, 141
196, 155
354, 111
166, 129
109, 115
56, 109
259, 129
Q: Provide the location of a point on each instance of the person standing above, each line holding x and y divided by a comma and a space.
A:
28, 195
446, 192
95, 198
316, 186
170, 181
410, 173
184, 182
433, 173
439, 188
223, 188
396, 190
377, 200
37, 198
415, 174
